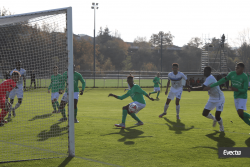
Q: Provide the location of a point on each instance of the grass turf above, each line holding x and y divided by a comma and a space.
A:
159, 142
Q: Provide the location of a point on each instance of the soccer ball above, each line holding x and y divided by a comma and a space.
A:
133, 108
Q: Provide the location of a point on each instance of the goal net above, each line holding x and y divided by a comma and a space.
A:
33, 44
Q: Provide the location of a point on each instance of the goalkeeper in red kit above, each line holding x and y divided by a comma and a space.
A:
5, 89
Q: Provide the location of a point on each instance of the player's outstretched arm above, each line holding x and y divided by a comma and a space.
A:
112, 95
166, 92
197, 88
150, 97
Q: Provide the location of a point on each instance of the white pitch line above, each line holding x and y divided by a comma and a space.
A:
63, 154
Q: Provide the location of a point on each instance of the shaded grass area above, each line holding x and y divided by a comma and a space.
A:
192, 141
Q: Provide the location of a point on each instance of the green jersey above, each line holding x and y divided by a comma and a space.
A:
156, 82
136, 93
55, 84
77, 77
238, 81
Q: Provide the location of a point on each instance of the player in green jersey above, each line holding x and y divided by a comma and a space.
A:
55, 85
239, 81
136, 93
156, 86
64, 101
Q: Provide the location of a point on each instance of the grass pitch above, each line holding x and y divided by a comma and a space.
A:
159, 142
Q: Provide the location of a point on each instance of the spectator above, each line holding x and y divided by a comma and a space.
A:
198, 82
33, 79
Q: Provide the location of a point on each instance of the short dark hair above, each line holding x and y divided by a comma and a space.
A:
208, 68
130, 76
14, 73
55, 67
241, 64
175, 64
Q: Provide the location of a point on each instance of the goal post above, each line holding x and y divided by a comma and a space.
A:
71, 83
40, 42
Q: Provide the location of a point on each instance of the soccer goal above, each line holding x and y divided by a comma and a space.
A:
35, 44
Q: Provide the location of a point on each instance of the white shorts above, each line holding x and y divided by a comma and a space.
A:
157, 89
18, 92
65, 96
55, 96
172, 94
219, 105
240, 104
140, 106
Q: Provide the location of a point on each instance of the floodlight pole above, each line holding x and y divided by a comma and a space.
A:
94, 7
161, 60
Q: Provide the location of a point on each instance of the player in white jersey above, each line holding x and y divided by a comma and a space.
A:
176, 89
19, 90
216, 99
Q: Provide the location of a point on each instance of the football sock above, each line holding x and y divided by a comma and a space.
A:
210, 116
246, 117
165, 108
177, 109
157, 94
220, 122
75, 111
152, 92
124, 115
135, 117
57, 104
54, 106
63, 113
17, 105
3, 114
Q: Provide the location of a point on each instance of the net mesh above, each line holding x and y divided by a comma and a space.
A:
40, 43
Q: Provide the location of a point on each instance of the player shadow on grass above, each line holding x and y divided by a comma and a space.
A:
41, 117
221, 140
178, 126
129, 134
55, 130
248, 142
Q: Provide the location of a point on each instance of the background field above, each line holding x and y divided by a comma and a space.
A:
159, 142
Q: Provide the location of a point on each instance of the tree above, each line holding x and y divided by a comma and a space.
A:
195, 42
166, 38
103, 36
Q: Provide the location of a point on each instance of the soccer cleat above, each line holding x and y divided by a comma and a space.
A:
157, 98
214, 123
1, 124
63, 119
222, 128
58, 111
139, 123
162, 115
122, 125
76, 121
54, 111
178, 117
13, 112
9, 115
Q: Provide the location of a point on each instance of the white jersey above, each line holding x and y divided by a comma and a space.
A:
215, 94
23, 74
176, 81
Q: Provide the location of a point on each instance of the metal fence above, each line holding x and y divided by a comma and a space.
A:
115, 79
